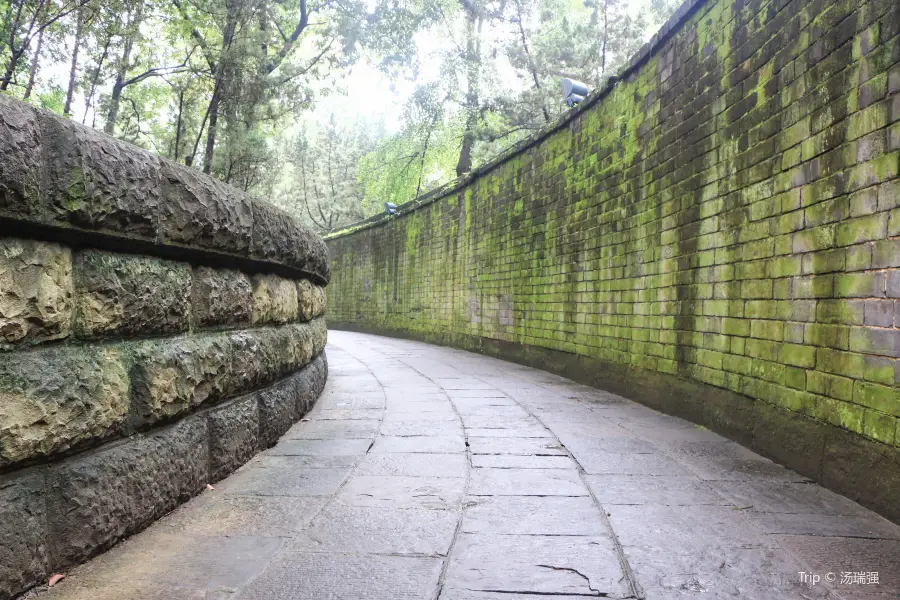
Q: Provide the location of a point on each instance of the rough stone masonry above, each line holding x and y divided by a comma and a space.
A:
716, 234
157, 329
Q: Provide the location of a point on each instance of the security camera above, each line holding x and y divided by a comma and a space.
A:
573, 91
390, 208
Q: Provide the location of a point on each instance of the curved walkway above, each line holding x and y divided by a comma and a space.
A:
427, 473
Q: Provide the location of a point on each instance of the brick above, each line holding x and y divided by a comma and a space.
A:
817, 286
879, 397
831, 336
879, 313
829, 385
863, 229
798, 355
841, 312
880, 369
859, 285
871, 340
767, 330
886, 253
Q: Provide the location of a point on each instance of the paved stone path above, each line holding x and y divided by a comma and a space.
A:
429, 473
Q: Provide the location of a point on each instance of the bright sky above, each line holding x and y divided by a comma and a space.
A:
370, 94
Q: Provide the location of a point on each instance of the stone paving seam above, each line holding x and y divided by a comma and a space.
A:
635, 586
285, 547
637, 591
445, 567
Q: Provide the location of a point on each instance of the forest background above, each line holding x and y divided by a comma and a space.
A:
327, 108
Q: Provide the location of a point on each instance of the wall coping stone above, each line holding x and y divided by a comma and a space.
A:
63, 182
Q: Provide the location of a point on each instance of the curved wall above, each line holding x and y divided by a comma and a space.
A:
157, 329
716, 234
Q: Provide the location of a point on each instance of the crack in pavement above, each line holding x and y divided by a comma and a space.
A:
576, 572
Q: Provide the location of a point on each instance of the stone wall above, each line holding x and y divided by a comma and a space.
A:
716, 234
157, 329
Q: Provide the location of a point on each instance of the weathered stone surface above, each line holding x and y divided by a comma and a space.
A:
127, 294
221, 297
88, 503
305, 300
319, 301
35, 291
56, 398
198, 210
96, 499
233, 435
174, 375
278, 237
96, 182
308, 384
278, 408
173, 467
264, 355
274, 299
20, 169
58, 173
23, 535
311, 298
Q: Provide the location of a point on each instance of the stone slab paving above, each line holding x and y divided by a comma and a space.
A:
426, 473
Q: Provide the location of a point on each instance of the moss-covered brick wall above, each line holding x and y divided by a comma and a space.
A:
157, 329
717, 234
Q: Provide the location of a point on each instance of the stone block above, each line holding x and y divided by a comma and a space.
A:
277, 237
173, 466
278, 409
274, 300
35, 291
305, 300
321, 300
88, 505
23, 532
55, 399
175, 375
96, 182
129, 295
233, 435
312, 383
21, 169
261, 356
221, 297
200, 211
96, 499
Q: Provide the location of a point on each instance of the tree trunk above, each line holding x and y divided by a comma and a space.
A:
73, 68
473, 58
221, 72
211, 130
115, 100
178, 125
14, 55
94, 81
35, 65
531, 65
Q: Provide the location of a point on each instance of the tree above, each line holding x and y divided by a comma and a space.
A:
325, 190
25, 20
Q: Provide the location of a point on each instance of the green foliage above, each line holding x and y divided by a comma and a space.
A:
228, 86
405, 165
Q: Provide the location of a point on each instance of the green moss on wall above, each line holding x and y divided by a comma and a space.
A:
714, 216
